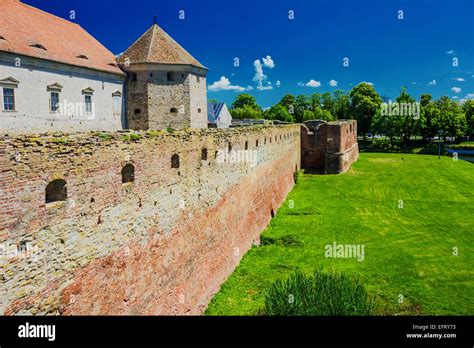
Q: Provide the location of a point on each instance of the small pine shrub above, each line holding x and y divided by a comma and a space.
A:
322, 294
296, 175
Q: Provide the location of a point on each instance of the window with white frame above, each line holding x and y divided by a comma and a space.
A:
88, 106
117, 102
8, 99
88, 103
54, 102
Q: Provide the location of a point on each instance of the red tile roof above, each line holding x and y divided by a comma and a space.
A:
31, 32
156, 46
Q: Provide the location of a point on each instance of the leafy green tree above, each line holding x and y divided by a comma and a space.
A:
246, 112
315, 101
288, 101
407, 120
327, 102
308, 115
468, 108
278, 112
341, 105
365, 102
451, 120
385, 124
428, 115
245, 100
245, 106
320, 114
303, 103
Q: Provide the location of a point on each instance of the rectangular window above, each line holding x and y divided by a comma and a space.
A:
117, 108
8, 99
54, 101
88, 100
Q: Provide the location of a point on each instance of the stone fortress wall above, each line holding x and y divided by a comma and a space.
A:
161, 243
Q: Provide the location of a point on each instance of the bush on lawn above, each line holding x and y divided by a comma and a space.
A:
319, 294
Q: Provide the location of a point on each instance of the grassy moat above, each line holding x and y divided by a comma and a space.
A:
414, 216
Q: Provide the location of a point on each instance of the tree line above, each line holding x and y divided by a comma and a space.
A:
401, 119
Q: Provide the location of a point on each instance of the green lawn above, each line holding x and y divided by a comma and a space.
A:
408, 251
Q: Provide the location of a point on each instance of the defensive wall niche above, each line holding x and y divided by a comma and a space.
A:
134, 223
329, 147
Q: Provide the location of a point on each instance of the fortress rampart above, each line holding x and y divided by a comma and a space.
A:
134, 223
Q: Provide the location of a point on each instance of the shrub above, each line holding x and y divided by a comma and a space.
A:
106, 136
462, 147
320, 294
296, 176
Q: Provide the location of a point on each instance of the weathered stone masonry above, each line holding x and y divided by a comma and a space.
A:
162, 244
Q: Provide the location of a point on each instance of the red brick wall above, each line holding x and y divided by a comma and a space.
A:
162, 245
329, 147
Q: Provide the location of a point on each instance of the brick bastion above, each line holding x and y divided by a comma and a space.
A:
150, 222
329, 147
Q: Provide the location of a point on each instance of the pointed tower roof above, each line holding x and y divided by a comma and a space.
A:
156, 46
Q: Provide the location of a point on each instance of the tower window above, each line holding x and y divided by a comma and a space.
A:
137, 112
173, 110
133, 77
56, 191
128, 174
175, 161
199, 111
170, 76
204, 154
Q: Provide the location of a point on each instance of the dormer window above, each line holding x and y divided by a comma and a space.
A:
113, 64
2, 38
37, 45
82, 57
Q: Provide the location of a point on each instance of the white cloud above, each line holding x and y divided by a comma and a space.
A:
260, 77
224, 85
268, 62
450, 52
432, 83
313, 83
456, 89
469, 96
460, 79
413, 83
278, 83
249, 88
455, 97
369, 83
333, 83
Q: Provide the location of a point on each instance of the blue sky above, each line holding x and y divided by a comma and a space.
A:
306, 52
